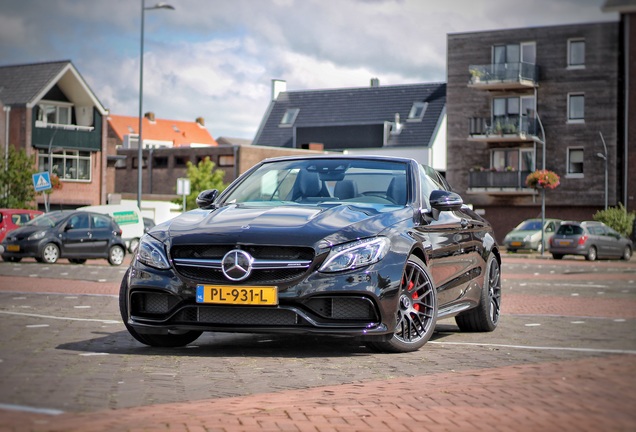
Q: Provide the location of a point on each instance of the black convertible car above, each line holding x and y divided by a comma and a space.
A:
373, 247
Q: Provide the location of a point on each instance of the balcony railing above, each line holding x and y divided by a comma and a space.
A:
503, 75
501, 128
498, 180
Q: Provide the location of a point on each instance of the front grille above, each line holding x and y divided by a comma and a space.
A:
236, 316
258, 277
272, 265
343, 308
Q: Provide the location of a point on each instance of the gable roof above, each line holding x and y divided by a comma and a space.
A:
180, 133
27, 84
356, 109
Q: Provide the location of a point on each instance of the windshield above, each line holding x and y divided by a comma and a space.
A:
529, 225
311, 181
47, 220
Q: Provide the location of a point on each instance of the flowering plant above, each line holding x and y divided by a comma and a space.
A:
543, 179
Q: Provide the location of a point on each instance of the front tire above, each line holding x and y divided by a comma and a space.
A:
50, 253
116, 255
417, 311
154, 340
627, 254
485, 317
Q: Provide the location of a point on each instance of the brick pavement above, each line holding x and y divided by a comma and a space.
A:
588, 394
577, 395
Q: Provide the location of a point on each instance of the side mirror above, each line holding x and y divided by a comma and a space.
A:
205, 200
69, 226
444, 200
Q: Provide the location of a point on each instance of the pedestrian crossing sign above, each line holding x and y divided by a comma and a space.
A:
41, 181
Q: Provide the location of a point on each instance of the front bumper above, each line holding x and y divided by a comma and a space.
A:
356, 303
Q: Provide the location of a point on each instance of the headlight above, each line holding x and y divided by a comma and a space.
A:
151, 252
360, 253
37, 235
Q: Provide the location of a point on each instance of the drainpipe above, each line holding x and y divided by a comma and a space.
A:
7, 113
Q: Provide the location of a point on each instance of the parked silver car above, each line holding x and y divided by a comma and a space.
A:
527, 235
591, 239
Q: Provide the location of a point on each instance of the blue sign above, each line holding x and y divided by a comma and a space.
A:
41, 181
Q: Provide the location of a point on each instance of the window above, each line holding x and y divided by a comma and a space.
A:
226, 160
575, 162
576, 108
289, 117
576, 53
68, 165
512, 160
52, 113
417, 111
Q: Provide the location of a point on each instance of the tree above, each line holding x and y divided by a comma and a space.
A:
16, 180
202, 176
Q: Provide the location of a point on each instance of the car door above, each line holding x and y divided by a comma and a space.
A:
102, 231
614, 246
76, 236
448, 238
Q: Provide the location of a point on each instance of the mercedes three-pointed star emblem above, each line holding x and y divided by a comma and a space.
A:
237, 265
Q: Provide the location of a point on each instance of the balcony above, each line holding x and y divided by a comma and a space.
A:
512, 129
504, 76
499, 182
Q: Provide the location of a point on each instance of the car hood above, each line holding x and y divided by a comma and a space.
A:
317, 226
522, 233
25, 231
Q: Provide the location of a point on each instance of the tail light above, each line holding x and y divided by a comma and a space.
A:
583, 239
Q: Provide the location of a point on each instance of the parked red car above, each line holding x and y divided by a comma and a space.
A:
11, 219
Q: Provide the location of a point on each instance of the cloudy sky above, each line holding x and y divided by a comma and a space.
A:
216, 58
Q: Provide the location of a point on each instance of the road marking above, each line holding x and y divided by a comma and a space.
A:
533, 325
82, 307
588, 350
93, 354
37, 325
34, 410
61, 318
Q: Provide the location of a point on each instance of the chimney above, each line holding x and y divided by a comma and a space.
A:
201, 121
278, 86
375, 82
150, 116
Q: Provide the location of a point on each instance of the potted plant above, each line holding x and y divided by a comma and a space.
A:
476, 75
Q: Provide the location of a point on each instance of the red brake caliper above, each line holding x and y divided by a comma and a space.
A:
414, 296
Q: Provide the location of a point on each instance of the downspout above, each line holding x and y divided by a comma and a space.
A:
7, 113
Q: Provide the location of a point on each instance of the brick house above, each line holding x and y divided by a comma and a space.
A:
516, 95
50, 111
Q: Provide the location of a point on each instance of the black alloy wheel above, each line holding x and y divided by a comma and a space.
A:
485, 317
417, 311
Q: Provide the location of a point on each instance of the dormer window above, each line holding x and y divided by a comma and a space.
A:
417, 111
289, 117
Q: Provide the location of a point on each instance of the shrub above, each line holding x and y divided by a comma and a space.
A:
617, 218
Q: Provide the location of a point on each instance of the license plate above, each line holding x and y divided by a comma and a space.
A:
13, 248
515, 243
564, 242
245, 295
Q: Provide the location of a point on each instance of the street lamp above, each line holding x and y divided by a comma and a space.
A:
141, 94
542, 189
605, 158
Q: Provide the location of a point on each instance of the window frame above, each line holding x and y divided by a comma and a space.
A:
570, 63
423, 106
571, 119
57, 107
289, 117
569, 172
60, 160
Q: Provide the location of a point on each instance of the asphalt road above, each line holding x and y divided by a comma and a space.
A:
63, 348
